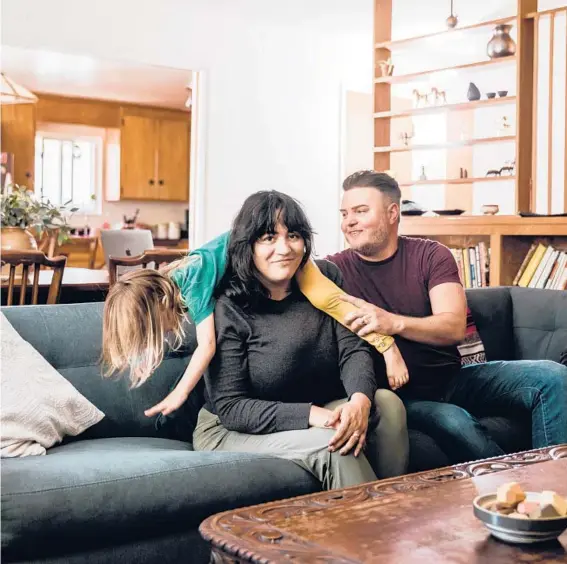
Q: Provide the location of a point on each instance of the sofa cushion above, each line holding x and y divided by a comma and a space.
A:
39, 406
540, 323
492, 313
69, 337
106, 489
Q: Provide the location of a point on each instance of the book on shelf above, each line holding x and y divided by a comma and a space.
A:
473, 265
544, 266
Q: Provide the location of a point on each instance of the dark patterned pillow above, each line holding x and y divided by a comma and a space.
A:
471, 349
563, 359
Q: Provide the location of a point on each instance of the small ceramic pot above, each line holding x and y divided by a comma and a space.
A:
491, 94
501, 44
490, 209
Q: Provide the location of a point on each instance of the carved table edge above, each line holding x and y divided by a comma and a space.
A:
223, 540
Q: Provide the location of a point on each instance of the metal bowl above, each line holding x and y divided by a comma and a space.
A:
512, 529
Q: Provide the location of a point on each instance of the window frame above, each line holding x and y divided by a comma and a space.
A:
72, 132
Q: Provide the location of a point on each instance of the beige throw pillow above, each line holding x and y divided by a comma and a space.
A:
39, 407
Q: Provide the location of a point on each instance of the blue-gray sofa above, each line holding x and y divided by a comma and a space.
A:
132, 490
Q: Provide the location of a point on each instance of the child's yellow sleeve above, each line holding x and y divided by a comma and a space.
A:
324, 295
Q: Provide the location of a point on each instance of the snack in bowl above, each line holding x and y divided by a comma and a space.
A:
513, 515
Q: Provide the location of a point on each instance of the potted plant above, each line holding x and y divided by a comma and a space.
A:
22, 211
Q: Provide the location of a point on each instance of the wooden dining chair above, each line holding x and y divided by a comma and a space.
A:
156, 256
81, 250
35, 260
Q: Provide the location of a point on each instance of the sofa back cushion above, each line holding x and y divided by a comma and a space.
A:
492, 313
69, 337
540, 323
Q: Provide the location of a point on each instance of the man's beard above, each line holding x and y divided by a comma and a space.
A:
372, 247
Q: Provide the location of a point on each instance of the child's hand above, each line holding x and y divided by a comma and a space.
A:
172, 402
396, 368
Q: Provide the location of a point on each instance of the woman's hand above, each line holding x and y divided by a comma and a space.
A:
396, 368
171, 402
352, 419
319, 417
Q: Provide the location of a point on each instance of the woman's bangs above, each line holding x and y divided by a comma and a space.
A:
286, 212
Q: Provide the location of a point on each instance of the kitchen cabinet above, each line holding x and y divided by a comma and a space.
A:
154, 158
18, 137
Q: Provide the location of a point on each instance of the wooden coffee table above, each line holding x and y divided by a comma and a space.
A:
425, 517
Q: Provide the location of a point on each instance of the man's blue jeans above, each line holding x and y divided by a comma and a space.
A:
521, 388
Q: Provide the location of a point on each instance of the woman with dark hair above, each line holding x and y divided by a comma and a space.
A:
288, 380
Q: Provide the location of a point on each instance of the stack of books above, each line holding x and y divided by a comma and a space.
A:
473, 264
543, 267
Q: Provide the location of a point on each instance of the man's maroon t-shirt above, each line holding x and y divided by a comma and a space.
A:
401, 285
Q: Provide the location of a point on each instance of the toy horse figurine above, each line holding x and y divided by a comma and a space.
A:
418, 97
439, 94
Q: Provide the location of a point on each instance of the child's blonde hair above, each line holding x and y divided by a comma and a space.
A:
140, 309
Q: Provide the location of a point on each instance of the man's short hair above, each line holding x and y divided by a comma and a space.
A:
372, 179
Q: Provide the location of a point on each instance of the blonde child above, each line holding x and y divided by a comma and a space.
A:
143, 306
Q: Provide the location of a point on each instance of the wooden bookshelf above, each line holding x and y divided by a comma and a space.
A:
460, 107
395, 79
409, 40
450, 145
456, 180
508, 237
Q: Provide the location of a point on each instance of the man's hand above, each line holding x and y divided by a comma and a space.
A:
396, 368
172, 402
352, 419
369, 318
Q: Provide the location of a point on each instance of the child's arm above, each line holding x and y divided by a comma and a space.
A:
206, 346
324, 294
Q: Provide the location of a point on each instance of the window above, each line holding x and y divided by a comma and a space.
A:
69, 165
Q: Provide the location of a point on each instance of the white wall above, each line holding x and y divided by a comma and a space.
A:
275, 72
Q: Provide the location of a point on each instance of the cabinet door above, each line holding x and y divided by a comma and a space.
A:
173, 160
138, 156
18, 137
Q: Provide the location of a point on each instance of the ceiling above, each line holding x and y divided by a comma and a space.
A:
76, 75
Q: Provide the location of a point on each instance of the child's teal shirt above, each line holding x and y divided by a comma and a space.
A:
198, 277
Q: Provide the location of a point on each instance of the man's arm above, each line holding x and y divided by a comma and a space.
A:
446, 326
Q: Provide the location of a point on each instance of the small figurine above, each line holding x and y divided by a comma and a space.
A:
386, 67
439, 94
418, 97
422, 176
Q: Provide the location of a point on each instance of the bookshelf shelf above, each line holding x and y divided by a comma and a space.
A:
457, 181
395, 79
396, 43
484, 225
464, 106
450, 145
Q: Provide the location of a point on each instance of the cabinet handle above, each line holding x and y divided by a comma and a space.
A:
151, 182
161, 182
28, 174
